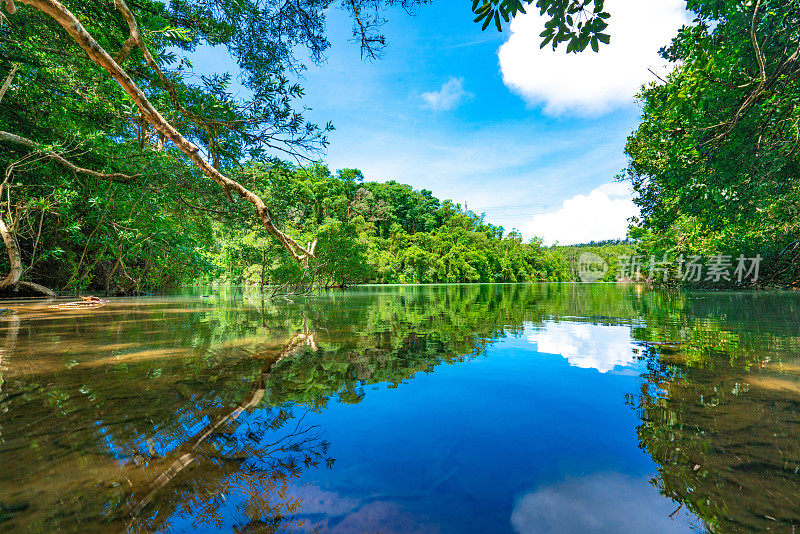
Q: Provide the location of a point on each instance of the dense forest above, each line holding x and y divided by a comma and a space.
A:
714, 161
385, 233
126, 173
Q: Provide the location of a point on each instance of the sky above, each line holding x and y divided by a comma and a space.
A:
530, 137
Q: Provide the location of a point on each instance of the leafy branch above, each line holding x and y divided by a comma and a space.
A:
579, 23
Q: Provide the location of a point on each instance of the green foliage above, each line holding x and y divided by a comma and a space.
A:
340, 255
575, 22
161, 228
382, 232
76, 232
714, 160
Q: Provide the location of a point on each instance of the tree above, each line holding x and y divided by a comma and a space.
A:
714, 160
342, 257
149, 113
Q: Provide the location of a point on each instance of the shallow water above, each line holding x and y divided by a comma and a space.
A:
483, 408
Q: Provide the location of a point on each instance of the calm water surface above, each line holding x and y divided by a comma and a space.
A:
509, 408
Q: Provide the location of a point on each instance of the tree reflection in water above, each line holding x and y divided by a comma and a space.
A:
720, 411
149, 413
242, 465
189, 462
158, 414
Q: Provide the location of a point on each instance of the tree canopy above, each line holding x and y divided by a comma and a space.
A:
714, 160
112, 145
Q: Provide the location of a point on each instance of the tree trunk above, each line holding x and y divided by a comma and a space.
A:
263, 271
12, 281
14, 257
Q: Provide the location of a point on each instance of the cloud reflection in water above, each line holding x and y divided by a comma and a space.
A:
598, 503
588, 346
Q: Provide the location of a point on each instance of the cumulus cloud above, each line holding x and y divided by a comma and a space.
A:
449, 96
602, 214
587, 346
591, 83
598, 503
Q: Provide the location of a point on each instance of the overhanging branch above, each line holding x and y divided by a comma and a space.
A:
67, 20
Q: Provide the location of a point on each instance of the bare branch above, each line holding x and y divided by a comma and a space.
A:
762, 62
656, 75
200, 208
363, 31
113, 177
7, 83
764, 83
134, 38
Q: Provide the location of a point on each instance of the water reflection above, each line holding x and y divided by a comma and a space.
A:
719, 409
226, 413
585, 345
600, 503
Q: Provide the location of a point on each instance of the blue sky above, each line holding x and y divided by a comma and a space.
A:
532, 138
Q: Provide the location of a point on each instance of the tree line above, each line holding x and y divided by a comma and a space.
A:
125, 172
382, 233
100, 95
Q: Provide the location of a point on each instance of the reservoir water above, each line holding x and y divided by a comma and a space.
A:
469, 408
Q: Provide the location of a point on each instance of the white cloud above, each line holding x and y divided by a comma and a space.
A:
602, 214
476, 166
450, 96
598, 503
591, 83
587, 346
